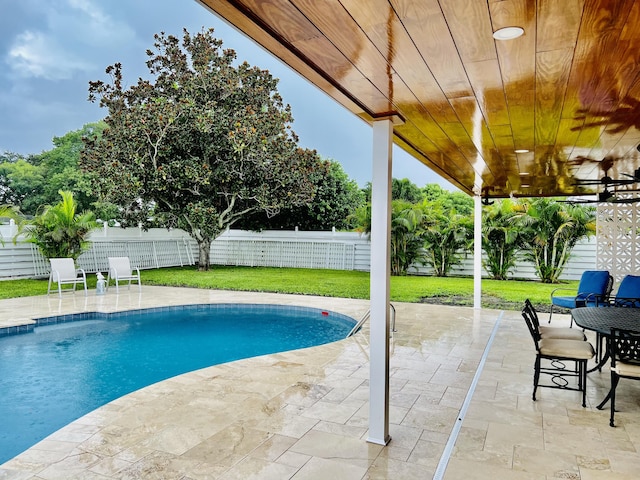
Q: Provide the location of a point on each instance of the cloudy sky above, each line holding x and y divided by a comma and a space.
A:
51, 49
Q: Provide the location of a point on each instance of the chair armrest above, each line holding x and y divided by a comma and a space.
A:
561, 288
631, 302
598, 298
81, 272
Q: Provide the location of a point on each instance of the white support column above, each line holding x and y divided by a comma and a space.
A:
379, 279
477, 252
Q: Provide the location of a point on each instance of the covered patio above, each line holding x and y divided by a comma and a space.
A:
460, 407
503, 98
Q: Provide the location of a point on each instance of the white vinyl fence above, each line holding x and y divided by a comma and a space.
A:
155, 248
161, 248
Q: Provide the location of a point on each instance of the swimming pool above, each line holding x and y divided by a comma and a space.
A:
72, 364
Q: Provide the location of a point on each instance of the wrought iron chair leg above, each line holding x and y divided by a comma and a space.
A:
536, 377
614, 384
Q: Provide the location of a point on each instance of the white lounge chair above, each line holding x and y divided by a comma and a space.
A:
64, 272
120, 270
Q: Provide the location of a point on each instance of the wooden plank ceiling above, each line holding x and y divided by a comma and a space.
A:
566, 92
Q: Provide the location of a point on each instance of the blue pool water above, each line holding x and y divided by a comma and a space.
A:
74, 364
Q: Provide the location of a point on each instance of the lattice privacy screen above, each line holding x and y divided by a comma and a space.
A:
618, 237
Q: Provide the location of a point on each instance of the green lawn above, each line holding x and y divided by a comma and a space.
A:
450, 290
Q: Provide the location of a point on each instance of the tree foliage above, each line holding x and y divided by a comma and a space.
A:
551, 229
10, 212
337, 196
60, 166
59, 231
501, 238
204, 145
447, 236
405, 190
22, 185
407, 232
430, 231
32, 181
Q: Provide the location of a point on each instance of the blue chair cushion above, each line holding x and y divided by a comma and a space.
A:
592, 291
628, 294
593, 282
566, 302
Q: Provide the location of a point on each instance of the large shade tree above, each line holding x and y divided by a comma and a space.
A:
204, 144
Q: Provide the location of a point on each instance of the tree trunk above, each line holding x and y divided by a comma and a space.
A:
204, 249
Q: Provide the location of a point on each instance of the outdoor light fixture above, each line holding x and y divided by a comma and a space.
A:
522, 150
508, 33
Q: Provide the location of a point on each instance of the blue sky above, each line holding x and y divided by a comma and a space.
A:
51, 49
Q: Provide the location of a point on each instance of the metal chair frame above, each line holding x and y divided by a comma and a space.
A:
551, 350
624, 347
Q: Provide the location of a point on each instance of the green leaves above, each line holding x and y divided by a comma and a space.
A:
502, 238
60, 232
550, 231
205, 143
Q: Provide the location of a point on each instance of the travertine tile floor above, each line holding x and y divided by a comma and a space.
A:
303, 414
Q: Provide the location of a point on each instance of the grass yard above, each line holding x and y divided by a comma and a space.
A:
349, 284
332, 283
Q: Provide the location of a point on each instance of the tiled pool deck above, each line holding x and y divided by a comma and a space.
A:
303, 414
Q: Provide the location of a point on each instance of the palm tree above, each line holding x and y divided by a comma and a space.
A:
60, 232
406, 239
446, 234
551, 230
501, 238
406, 235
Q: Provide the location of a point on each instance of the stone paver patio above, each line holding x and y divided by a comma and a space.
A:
304, 414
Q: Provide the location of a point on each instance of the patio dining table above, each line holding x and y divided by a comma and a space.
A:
601, 320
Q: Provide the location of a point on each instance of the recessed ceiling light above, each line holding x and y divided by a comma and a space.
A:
521, 150
508, 33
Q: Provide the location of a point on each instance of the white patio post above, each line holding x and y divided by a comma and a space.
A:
477, 252
379, 283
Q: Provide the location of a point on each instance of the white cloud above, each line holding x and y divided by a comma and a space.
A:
75, 31
92, 25
35, 54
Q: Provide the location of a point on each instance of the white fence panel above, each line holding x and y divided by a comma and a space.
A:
153, 249
161, 248
295, 249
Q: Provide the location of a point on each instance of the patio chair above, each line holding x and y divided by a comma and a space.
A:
64, 272
593, 290
556, 353
625, 361
565, 333
628, 294
120, 270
